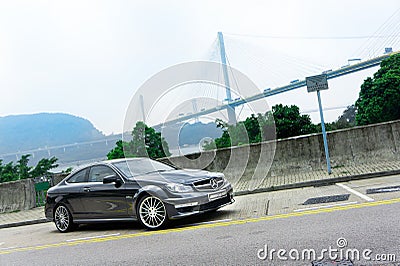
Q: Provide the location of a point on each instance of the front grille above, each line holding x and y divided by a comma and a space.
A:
215, 203
207, 184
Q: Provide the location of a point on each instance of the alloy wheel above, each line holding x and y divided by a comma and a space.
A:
152, 212
62, 219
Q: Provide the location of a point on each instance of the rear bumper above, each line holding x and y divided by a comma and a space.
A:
48, 211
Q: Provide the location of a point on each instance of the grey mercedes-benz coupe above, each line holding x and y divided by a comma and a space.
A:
134, 189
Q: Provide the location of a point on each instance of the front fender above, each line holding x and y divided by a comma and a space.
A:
150, 190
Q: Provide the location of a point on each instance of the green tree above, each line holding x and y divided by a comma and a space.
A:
21, 170
244, 132
289, 122
379, 98
137, 146
67, 171
43, 167
260, 127
118, 151
256, 128
146, 142
7, 172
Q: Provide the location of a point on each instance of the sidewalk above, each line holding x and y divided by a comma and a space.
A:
317, 178
247, 186
25, 217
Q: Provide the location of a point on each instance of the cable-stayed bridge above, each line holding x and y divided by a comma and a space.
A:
230, 103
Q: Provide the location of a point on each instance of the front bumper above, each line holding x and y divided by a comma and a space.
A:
197, 203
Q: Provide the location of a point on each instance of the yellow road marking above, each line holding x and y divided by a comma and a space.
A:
202, 226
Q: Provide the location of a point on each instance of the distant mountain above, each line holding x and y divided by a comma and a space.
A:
27, 132
51, 134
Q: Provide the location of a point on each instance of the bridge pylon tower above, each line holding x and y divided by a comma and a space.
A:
230, 109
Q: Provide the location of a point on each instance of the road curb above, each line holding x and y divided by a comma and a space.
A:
321, 182
29, 222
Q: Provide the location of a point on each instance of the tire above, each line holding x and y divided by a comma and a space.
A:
63, 219
152, 213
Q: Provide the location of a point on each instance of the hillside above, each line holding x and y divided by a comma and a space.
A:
26, 132
51, 134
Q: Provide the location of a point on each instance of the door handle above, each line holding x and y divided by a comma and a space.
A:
86, 189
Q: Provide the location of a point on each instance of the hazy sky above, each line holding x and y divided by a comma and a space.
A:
87, 58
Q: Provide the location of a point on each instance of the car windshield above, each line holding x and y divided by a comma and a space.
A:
143, 166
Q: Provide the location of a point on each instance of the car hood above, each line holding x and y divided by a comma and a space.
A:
184, 176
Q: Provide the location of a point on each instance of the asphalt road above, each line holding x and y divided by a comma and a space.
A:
238, 235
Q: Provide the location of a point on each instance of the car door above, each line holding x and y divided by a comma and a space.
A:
103, 201
72, 193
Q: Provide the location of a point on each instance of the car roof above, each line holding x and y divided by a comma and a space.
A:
123, 160
108, 162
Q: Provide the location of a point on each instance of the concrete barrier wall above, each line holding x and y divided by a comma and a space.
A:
17, 195
359, 145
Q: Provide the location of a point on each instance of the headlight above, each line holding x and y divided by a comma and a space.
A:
218, 175
174, 187
224, 179
215, 174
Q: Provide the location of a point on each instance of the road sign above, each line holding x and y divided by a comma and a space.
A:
317, 83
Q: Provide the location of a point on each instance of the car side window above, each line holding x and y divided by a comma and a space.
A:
97, 173
79, 177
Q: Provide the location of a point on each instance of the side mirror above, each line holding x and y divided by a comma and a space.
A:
112, 179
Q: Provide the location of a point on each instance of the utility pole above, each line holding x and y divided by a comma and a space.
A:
230, 109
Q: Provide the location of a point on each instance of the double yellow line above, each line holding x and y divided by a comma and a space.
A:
202, 226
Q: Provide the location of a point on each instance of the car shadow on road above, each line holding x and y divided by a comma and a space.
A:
204, 218
136, 226
110, 226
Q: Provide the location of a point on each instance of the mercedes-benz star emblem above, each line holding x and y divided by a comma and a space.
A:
213, 183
